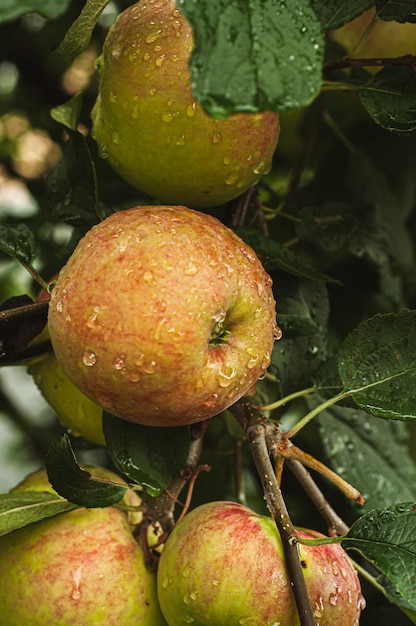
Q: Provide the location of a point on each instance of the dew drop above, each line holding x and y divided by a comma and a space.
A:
185, 572
148, 276
232, 179
226, 375
115, 137
216, 137
160, 59
151, 37
226, 160
150, 368
134, 376
119, 362
60, 306
194, 594
190, 269
333, 599
277, 333
254, 358
113, 96
89, 358
191, 109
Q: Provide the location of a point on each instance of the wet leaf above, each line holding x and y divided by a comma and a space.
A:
387, 538
371, 454
377, 364
398, 10
254, 56
18, 241
68, 114
390, 98
76, 484
336, 13
23, 508
79, 34
151, 457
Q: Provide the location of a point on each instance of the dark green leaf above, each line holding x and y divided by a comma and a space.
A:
27, 507
254, 56
395, 597
68, 114
377, 363
18, 241
72, 189
355, 448
76, 484
78, 36
387, 538
50, 9
275, 256
330, 227
336, 13
398, 10
151, 457
390, 98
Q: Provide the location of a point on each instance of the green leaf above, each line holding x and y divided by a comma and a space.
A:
355, 447
79, 34
151, 457
50, 9
68, 114
72, 186
398, 10
390, 98
331, 227
275, 256
377, 364
336, 13
18, 241
254, 56
387, 539
20, 509
76, 484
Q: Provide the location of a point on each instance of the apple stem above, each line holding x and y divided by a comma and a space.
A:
262, 435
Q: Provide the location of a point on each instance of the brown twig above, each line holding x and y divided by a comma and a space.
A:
347, 62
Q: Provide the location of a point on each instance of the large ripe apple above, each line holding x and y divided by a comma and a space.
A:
149, 125
75, 410
383, 40
224, 564
163, 316
81, 568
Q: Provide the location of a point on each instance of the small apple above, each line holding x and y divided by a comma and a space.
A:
75, 410
82, 567
149, 125
382, 40
224, 564
163, 316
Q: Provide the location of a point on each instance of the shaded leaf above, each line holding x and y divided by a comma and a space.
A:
335, 13
369, 453
377, 363
20, 509
151, 457
18, 241
76, 484
79, 34
398, 10
390, 98
331, 227
387, 538
254, 56
68, 114
50, 9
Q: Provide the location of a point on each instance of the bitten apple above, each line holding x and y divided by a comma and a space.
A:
224, 564
83, 567
163, 316
154, 133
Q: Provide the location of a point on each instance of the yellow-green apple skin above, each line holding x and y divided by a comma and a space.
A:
224, 564
81, 568
155, 134
383, 40
134, 315
75, 410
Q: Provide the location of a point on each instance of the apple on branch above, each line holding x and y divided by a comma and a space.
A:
80, 568
149, 125
224, 564
163, 316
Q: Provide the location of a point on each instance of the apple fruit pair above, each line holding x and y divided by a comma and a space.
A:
224, 564
83, 567
75, 410
370, 37
163, 316
154, 133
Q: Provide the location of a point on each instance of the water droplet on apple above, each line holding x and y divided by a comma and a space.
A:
92, 320
277, 333
226, 374
191, 109
139, 360
181, 141
254, 358
190, 269
148, 276
186, 572
165, 583
151, 37
168, 116
333, 599
89, 358
215, 582
216, 137
134, 376
160, 59
59, 306
189, 619
119, 362
150, 367
115, 137
232, 178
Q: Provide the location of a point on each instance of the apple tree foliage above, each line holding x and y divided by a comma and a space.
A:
334, 223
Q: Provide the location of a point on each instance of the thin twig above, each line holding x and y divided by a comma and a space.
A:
346, 62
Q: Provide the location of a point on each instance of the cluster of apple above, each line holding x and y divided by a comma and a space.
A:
164, 317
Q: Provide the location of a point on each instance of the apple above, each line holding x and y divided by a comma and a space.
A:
163, 316
149, 125
84, 567
224, 564
383, 40
75, 410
